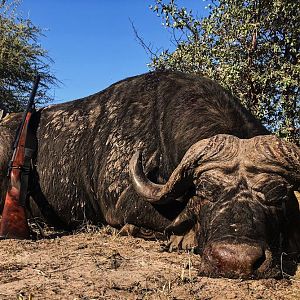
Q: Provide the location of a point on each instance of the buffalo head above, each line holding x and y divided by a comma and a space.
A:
240, 198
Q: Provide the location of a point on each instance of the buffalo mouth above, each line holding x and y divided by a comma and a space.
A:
243, 261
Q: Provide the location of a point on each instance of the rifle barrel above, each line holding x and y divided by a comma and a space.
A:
30, 107
33, 92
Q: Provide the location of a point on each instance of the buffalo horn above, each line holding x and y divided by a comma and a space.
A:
141, 183
282, 157
204, 151
153, 192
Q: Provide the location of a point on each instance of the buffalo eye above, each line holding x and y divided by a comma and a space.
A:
208, 190
276, 193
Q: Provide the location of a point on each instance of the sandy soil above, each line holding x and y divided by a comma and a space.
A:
101, 264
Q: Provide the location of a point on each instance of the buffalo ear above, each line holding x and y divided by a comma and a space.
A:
187, 218
182, 224
184, 221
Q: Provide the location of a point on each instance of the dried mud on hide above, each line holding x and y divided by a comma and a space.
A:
100, 264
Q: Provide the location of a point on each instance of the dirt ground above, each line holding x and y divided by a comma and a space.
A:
101, 264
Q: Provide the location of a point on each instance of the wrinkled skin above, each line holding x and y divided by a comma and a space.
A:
244, 224
207, 178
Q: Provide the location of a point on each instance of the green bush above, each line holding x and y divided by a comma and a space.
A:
250, 47
21, 57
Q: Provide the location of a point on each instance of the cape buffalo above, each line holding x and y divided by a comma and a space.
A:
172, 153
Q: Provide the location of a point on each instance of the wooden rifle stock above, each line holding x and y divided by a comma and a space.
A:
14, 222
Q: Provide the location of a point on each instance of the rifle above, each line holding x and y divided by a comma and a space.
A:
14, 222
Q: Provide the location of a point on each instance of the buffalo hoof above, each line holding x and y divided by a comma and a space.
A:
187, 241
140, 232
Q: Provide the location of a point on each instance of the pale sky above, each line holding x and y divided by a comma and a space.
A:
92, 42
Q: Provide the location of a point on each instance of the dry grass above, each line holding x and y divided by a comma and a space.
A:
98, 263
